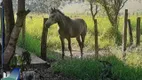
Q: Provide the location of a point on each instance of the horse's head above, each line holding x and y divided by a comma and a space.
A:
54, 17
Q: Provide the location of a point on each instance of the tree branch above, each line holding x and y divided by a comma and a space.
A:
91, 9
23, 13
123, 4
96, 11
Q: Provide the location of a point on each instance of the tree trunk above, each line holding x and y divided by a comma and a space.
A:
44, 40
138, 31
3, 40
10, 49
9, 16
130, 32
1, 50
114, 23
21, 7
124, 40
95, 27
23, 32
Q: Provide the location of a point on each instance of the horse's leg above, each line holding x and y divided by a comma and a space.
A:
83, 39
69, 46
80, 45
63, 46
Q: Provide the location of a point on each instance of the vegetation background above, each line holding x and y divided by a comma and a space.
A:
88, 68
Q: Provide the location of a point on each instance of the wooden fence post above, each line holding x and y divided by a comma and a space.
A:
130, 32
96, 38
124, 39
138, 31
44, 40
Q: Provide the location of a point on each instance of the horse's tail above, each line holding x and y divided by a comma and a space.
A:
84, 32
85, 27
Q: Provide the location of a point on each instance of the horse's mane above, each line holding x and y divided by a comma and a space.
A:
68, 18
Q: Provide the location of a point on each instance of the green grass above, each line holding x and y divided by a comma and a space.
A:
32, 44
80, 69
86, 69
34, 29
90, 69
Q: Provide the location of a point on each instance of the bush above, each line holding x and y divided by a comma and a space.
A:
112, 35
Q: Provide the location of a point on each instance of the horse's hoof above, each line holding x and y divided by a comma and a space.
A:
71, 56
62, 58
80, 57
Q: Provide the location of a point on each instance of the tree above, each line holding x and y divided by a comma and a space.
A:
10, 49
8, 10
94, 13
112, 8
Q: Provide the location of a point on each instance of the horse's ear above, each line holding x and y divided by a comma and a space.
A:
54, 9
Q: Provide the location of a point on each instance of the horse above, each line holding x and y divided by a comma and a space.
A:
68, 28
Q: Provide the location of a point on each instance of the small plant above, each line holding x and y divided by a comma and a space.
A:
14, 61
26, 57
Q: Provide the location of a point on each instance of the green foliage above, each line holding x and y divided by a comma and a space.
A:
86, 69
112, 35
19, 60
14, 61
89, 69
118, 39
108, 34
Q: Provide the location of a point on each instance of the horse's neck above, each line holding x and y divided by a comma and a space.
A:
63, 22
61, 25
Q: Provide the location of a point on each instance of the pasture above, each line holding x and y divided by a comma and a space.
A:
88, 68
34, 30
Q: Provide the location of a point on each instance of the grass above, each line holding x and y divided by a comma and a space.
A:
32, 44
34, 30
89, 68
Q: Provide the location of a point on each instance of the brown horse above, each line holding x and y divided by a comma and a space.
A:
68, 28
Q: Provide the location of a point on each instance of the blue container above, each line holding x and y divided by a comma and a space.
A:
14, 75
